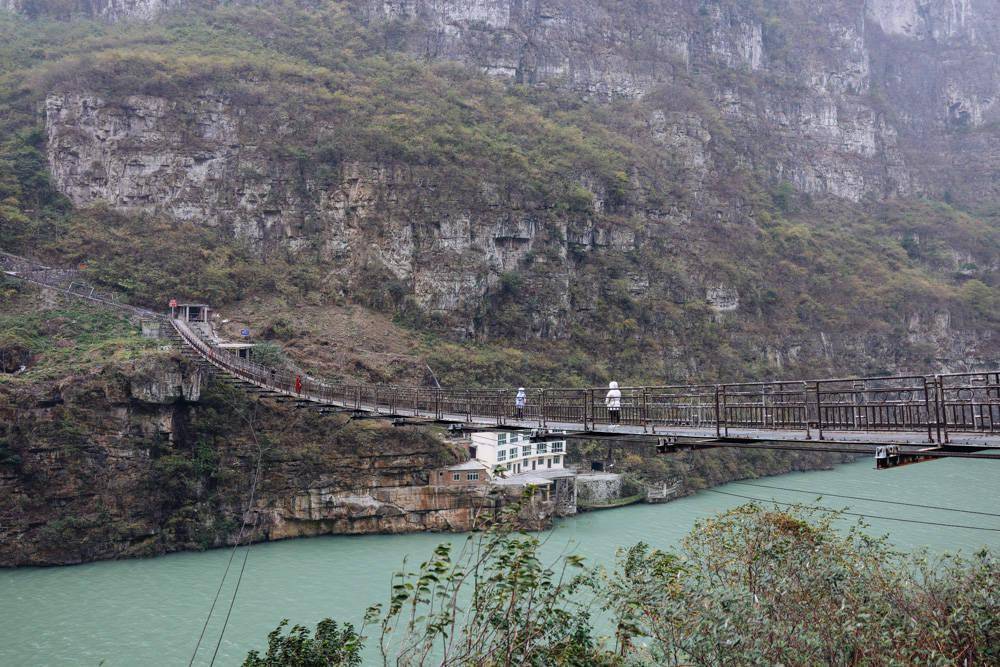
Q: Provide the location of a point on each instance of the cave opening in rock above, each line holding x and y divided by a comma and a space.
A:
14, 359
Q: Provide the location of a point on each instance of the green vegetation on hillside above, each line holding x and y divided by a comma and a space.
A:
61, 340
329, 90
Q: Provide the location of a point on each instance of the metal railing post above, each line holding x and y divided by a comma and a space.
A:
718, 414
542, 418
996, 395
927, 407
805, 409
943, 421
645, 414
819, 414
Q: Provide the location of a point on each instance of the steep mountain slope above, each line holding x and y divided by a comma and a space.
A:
492, 192
658, 190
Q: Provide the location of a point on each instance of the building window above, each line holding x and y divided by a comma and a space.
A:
473, 476
513, 453
502, 439
457, 476
559, 460
540, 448
525, 450
501, 455
557, 446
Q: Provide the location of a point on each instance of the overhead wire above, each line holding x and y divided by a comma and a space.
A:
232, 602
225, 574
246, 555
874, 500
864, 516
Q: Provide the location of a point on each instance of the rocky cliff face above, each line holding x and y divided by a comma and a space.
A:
848, 91
135, 460
107, 10
205, 161
851, 104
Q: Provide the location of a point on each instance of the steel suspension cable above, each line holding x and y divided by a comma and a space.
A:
239, 540
874, 500
864, 516
232, 602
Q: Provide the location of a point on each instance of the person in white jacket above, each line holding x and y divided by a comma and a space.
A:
614, 402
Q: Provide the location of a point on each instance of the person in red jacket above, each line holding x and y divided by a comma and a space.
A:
298, 384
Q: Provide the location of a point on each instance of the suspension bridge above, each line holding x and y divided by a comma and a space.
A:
900, 419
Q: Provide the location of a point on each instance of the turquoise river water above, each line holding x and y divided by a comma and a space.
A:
149, 612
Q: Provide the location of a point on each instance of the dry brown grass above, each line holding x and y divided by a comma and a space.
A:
346, 342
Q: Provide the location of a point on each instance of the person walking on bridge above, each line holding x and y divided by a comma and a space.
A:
613, 400
519, 402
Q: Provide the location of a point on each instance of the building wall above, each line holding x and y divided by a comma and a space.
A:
516, 453
465, 478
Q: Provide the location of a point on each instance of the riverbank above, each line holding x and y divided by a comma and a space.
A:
150, 611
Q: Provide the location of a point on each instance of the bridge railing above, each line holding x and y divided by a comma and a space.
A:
566, 405
764, 405
469, 403
69, 282
941, 404
682, 405
534, 405
632, 410
904, 403
969, 402
755, 405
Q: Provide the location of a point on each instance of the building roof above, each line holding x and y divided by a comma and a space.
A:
524, 479
598, 476
235, 346
199, 305
471, 464
551, 473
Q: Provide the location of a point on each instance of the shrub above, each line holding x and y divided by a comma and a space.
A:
330, 646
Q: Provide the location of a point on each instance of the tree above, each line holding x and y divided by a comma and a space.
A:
494, 602
330, 646
758, 586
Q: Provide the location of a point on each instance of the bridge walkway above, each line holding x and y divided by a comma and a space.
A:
954, 414
730, 418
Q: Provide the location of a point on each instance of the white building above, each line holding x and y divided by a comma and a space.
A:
513, 453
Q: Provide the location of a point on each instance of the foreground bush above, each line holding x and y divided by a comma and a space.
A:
749, 587
761, 587
329, 645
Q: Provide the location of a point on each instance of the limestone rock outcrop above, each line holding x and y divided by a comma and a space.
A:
853, 102
135, 460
